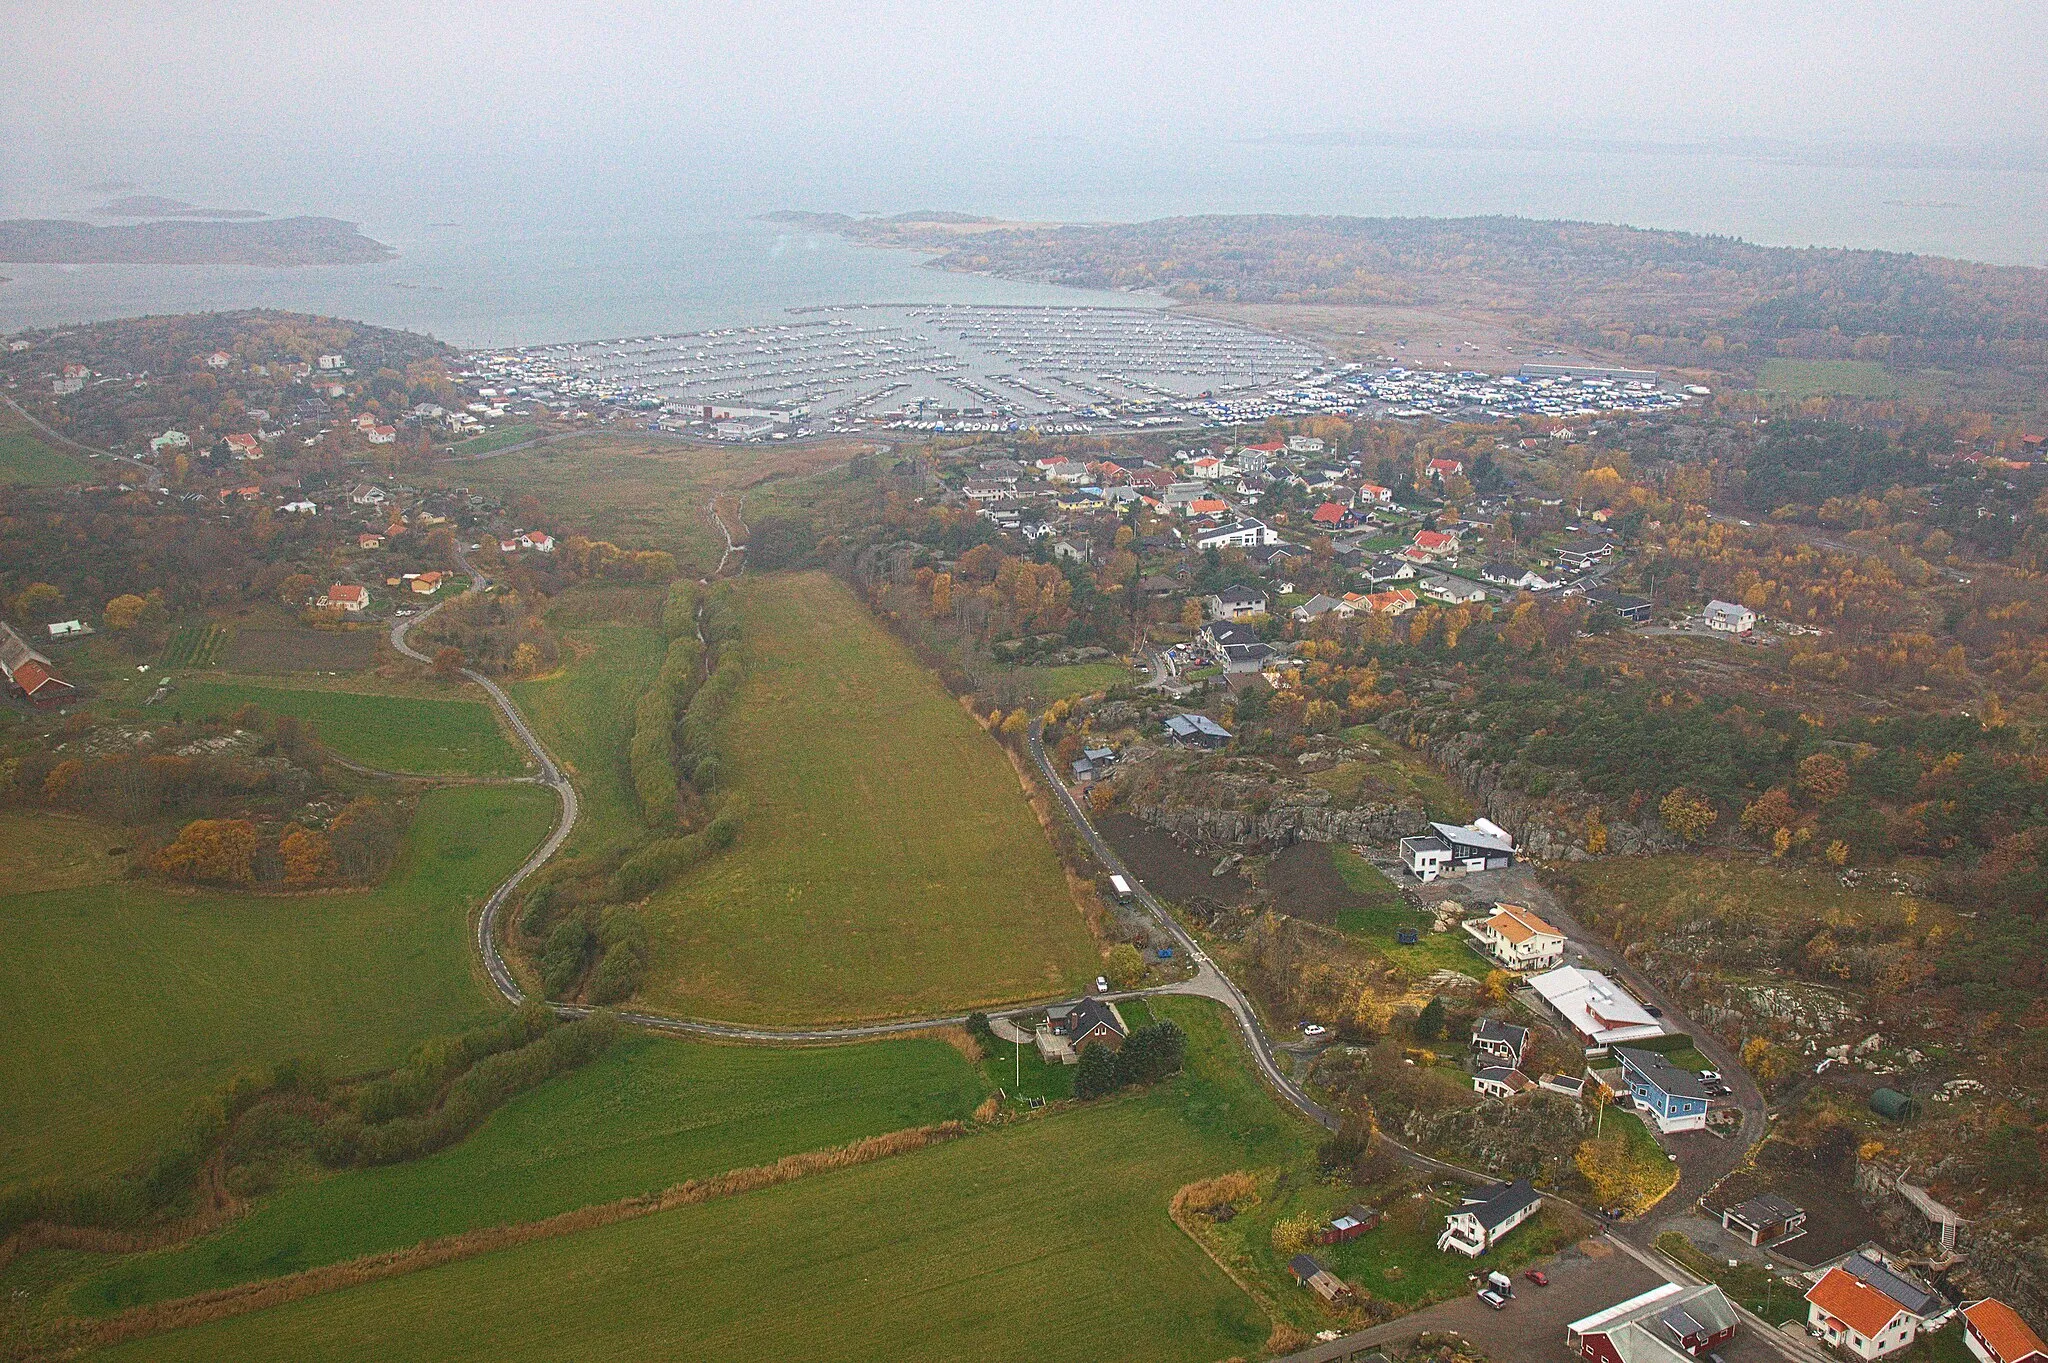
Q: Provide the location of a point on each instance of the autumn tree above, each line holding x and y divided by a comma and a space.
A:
1772, 814
447, 662
1823, 776
1596, 832
124, 612
1763, 1059
1688, 815
1124, 966
308, 856
216, 850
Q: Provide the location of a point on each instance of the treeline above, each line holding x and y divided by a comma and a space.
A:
583, 922
259, 1127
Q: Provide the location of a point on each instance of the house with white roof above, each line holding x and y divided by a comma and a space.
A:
1600, 1011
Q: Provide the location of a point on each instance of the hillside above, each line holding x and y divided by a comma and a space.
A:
271, 242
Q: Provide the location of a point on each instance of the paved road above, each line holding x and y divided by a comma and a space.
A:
1703, 1159
550, 775
150, 476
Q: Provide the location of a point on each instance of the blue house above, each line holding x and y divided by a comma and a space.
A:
1675, 1099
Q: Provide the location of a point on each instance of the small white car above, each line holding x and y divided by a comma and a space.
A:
1314, 1031
1102, 984
1493, 1299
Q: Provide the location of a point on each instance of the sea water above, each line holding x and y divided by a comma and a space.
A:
494, 254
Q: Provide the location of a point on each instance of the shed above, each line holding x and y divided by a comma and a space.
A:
1893, 1105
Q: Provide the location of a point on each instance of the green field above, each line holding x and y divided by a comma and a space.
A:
1049, 684
650, 1114
1044, 1240
26, 459
395, 733
195, 646
888, 863
499, 439
129, 1003
1827, 378
584, 715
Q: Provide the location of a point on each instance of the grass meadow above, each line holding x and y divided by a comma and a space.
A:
26, 459
51, 851
130, 1002
1046, 1240
1827, 378
583, 711
651, 1113
888, 863
396, 733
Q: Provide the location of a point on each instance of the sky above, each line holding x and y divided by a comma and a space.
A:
379, 88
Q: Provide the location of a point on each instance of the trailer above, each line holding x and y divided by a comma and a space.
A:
1122, 888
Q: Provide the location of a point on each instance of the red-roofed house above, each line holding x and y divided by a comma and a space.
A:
1374, 493
35, 681
1995, 1333
245, 446
1397, 602
348, 596
1207, 467
426, 584
1208, 506
1446, 468
1269, 447
1434, 544
1859, 1317
1331, 514
369, 541
540, 541
381, 435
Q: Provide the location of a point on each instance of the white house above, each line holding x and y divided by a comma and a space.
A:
332, 362
367, 494
1486, 1215
300, 508
1499, 1082
1860, 1315
1452, 591
169, 440
1726, 617
540, 541
347, 596
1246, 534
1235, 603
1517, 939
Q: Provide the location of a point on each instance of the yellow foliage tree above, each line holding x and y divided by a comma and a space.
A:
222, 850
1823, 776
308, 856
125, 612
1124, 966
1688, 815
1596, 832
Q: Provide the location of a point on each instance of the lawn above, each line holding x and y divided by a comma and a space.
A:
1773, 1298
888, 863
1384, 913
1043, 1240
131, 1002
396, 733
652, 1113
1827, 378
26, 459
1049, 684
499, 439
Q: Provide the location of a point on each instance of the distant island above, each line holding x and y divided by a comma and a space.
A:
157, 206
273, 241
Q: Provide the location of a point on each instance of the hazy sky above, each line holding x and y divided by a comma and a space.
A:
87, 86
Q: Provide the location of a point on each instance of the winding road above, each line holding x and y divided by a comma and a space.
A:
1208, 980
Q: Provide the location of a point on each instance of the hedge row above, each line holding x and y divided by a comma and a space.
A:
412, 1087
652, 753
489, 1084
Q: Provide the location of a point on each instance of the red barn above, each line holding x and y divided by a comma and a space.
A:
1667, 1324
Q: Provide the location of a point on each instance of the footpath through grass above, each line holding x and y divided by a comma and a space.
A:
1046, 1240
395, 733
128, 1002
888, 864
650, 1114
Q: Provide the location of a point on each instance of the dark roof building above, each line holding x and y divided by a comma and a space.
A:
1766, 1217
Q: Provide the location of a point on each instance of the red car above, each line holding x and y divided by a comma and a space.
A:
1536, 1276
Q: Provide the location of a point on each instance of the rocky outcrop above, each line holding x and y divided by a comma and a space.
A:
1551, 826
1281, 824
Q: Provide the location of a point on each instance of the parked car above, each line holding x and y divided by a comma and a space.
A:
1314, 1031
1538, 1277
1102, 984
1710, 1076
1493, 1299
1653, 1010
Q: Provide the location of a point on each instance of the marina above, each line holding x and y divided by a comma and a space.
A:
992, 368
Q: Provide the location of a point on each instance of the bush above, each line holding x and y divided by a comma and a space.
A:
566, 955
622, 937
1095, 1076
1125, 967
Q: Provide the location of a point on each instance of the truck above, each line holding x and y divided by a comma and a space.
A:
1122, 888
1501, 1283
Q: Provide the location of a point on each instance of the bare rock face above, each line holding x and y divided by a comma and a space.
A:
1545, 825
1282, 823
